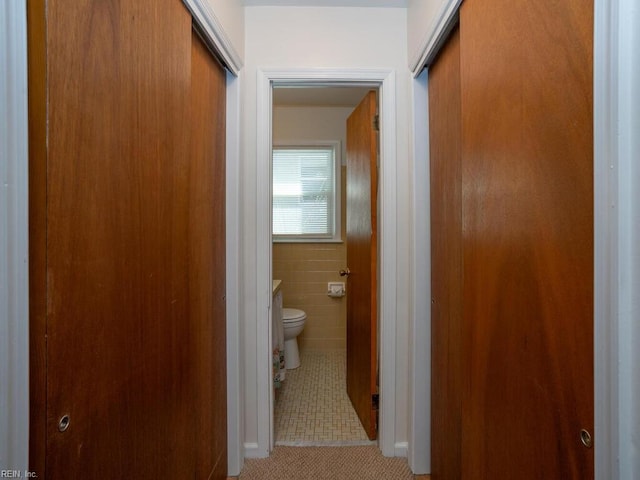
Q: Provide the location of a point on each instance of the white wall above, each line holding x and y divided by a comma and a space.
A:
628, 235
421, 16
230, 14
14, 287
327, 37
292, 123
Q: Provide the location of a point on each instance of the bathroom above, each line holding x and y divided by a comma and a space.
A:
311, 406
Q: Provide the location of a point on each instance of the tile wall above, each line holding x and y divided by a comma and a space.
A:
305, 269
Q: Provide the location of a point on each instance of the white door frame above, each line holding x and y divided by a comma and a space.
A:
385, 80
419, 452
235, 438
14, 239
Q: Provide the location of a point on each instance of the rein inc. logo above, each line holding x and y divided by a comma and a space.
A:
17, 474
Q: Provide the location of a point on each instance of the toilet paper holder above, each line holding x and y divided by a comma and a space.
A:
336, 289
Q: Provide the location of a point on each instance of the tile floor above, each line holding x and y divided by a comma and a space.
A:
312, 406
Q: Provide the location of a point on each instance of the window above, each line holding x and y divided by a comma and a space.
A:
305, 194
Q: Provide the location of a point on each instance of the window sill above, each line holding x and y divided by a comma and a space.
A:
307, 240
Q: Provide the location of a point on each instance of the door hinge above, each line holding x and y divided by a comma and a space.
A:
376, 122
375, 401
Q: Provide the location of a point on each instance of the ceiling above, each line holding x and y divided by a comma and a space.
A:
328, 3
319, 96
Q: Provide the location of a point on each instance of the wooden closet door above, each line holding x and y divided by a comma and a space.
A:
128, 217
446, 261
207, 258
527, 196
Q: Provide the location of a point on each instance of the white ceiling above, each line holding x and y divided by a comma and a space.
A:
328, 3
319, 96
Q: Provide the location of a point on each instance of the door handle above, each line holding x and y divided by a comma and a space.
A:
345, 273
63, 423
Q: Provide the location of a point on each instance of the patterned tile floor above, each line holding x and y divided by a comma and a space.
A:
312, 406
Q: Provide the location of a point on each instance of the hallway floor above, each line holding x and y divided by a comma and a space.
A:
314, 414
312, 406
327, 463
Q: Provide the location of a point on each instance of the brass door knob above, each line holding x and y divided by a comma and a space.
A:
585, 437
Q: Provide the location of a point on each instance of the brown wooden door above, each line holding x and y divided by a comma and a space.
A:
527, 183
129, 286
362, 183
207, 261
512, 248
446, 261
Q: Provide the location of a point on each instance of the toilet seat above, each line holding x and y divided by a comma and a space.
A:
292, 315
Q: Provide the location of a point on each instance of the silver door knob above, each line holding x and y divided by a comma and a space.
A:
345, 273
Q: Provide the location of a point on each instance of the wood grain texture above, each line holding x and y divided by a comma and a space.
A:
37, 64
118, 336
527, 187
446, 261
207, 259
134, 225
362, 183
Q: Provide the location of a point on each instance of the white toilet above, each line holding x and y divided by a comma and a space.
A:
293, 320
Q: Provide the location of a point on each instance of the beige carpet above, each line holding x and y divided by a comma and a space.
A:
331, 463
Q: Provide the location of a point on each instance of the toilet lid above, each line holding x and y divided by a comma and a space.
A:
289, 314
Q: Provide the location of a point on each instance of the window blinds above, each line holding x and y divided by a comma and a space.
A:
304, 191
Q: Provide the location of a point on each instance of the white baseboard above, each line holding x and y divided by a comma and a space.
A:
252, 450
401, 449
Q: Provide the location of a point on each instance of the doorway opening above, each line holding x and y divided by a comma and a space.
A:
313, 402
384, 82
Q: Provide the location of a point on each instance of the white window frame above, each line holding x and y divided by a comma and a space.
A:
337, 215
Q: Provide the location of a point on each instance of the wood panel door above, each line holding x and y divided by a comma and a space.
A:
362, 187
207, 260
527, 196
446, 261
127, 216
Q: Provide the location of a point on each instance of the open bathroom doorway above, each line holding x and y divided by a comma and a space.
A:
324, 191
384, 82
